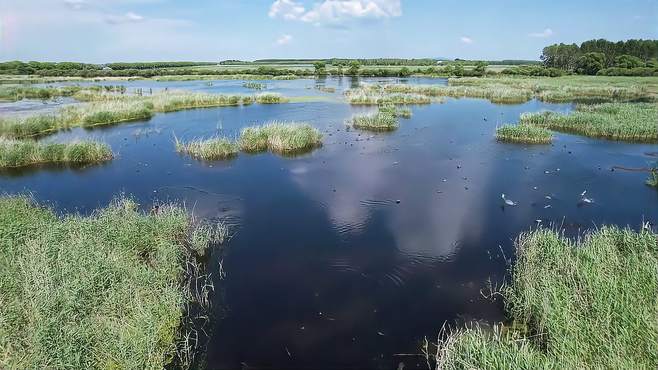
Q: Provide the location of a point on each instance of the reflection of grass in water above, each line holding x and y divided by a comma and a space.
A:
586, 304
105, 291
209, 149
22, 153
613, 121
524, 134
279, 137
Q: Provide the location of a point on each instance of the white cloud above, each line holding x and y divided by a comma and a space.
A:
283, 40
129, 17
336, 11
466, 40
286, 9
75, 4
543, 34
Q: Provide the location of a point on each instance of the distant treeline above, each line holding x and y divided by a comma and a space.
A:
77, 69
151, 65
631, 57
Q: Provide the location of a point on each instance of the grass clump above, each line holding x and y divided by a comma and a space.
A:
284, 138
613, 121
495, 93
586, 304
210, 149
653, 177
380, 121
97, 292
254, 85
270, 98
22, 153
527, 134
366, 96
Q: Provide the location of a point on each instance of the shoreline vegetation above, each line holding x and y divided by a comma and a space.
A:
23, 153
108, 290
285, 138
584, 304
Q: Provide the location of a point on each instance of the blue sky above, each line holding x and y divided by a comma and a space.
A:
142, 30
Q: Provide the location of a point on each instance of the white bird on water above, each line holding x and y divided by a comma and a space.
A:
508, 202
584, 199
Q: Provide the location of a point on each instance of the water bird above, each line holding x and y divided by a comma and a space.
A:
584, 199
508, 202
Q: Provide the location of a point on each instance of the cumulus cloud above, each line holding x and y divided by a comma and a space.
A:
129, 17
283, 40
466, 40
335, 11
543, 34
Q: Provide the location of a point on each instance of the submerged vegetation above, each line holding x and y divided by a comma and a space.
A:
524, 134
22, 153
104, 291
254, 85
209, 149
284, 138
575, 305
613, 121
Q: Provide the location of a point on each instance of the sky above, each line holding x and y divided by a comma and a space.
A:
98, 31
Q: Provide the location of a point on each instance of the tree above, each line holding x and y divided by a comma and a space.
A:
320, 68
591, 63
628, 61
480, 68
354, 68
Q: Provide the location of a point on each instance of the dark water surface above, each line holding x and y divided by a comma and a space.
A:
347, 257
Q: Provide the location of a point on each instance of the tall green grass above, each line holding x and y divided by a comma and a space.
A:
279, 137
613, 121
209, 149
494, 93
591, 304
107, 291
254, 85
270, 98
22, 153
521, 133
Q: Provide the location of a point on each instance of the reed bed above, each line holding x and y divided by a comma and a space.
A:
386, 118
105, 291
501, 94
87, 115
208, 149
526, 134
367, 96
15, 93
635, 122
280, 137
23, 153
590, 304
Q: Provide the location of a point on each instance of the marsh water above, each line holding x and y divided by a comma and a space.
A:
353, 254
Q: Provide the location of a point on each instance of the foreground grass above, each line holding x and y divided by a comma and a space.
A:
587, 304
100, 292
209, 149
613, 121
283, 138
23, 153
524, 134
